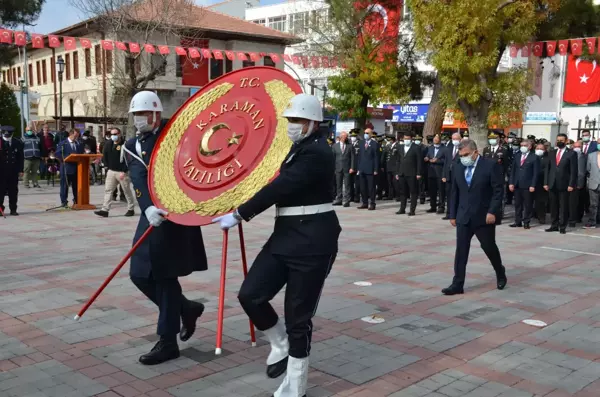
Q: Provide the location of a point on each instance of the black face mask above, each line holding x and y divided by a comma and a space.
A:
560, 145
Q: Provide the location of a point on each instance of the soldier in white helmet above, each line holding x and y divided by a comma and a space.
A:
171, 250
300, 252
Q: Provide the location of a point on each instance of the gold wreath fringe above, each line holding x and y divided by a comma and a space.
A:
165, 184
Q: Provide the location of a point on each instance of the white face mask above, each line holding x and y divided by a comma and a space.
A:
493, 142
141, 123
455, 142
295, 131
539, 153
524, 149
586, 138
114, 138
88, 151
407, 142
577, 150
367, 137
352, 139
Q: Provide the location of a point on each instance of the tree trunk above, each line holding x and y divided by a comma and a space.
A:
361, 122
435, 112
477, 121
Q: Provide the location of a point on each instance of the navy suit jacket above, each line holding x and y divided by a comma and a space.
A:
63, 150
368, 159
592, 148
436, 169
470, 205
525, 176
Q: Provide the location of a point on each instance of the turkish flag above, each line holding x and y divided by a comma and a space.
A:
275, 57
70, 43
194, 72
287, 58
305, 61
550, 48
134, 47
149, 48
254, 57
180, 51
591, 44
538, 48
206, 53
107, 45
37, 40
164, 49
218, 54
120, 45
381, 25
582, 84
85, 43
525, 50
53, 41
514, 50
296, 60
230, 55
563, 45
576, 46
20, 38
333, 62
241, 56
5, 36
194, 53
314, 61
325, 61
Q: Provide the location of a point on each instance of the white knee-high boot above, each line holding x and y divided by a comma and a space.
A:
278, 339
295, 381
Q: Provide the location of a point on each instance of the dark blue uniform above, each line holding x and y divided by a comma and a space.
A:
11, 165
302, 248
68, 171
171, 250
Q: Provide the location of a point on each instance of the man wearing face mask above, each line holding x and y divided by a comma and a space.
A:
501, 155
522, 182
113, 158
68, 171
435, 158
368, 166
11, 167
560, 178
171, 250
475, 210
354, 180
576, 197
451, 158
391, 159
408, 173
541, 195
32, 148
301, 194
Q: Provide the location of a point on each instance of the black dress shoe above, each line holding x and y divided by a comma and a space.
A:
572, 224
411, 214
501, 282
188, 321
400, 212
563, 231
14, 213
445, 218
441, 211
552, 229
362, 207
431, 210
103, 214
346, 205
276, 370
453, 290
526, 226
516, 225
372, 207
130, 213
164, 350
337, 203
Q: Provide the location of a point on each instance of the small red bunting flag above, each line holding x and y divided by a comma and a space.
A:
107, 45
241, 56
37, 40
230, 55
550, 48
85, 43
120, 45
538, 49
218, 54
275, 57
164, 49
149, 48
591, 44
20, 38
563, 45
134, 47
206, 53
69, 43
5, 36
180, 51
194, 53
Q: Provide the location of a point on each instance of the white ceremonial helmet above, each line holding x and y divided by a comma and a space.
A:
304, 106
145, 101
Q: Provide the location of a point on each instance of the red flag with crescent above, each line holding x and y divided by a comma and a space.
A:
325, 61
525, 50
577, 46
5, 36
550, 48
134, 47
149, 48
538, 49
218, 54
275, 57
254, 56
563, 46
164, 49
53, 41
20, 39
591, 44
70, 43
242, 56
206, 53
85, 43
287, 58
194, 53
37, 40
382, 25
180, 51
107, 45
514, 51
230, 55
296, 60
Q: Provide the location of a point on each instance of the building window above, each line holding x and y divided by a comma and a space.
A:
30, 79
216, 68
299, 23
14, 79
278, 23
75, 65
4, 76
38, 71
88, 62
159, 63
248, 63
268, 61
52, 69
260, 21
108, 58
19, 73
178, 68
44, 72
228, 65
98, 58
68, 66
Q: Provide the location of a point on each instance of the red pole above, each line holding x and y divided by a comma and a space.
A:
222, 293
2, 212
114, 272
245, 267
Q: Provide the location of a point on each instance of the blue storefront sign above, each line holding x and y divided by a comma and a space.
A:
411, 113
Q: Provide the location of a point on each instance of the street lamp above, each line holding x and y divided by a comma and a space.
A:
587, 120
324, 89
23, 88
60, 67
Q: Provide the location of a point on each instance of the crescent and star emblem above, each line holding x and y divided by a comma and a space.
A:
379, 9
204, 144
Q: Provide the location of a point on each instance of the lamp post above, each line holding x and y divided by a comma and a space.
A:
60, 67
324, 89
23, 88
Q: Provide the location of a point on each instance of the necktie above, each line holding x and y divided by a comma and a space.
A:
585, 148
523, 157
469, 175
454, 153
493, 151
343, 148
366, 145
72, 146
558, 156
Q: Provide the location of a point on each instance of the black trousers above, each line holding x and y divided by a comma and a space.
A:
448, 192
342, 183
367, 188
409, 188
392, 184
167, 295
356, 184
577, 205
559, 208
303, 277
541, 203
523, 205
65, 181
436, 188
381, 183
486, 234
9, 186
509, 195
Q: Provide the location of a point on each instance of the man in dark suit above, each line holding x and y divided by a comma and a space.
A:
577, 198
354, 179
391, 164
451, 158
408, 173
589, 144
171, 251
541, 195
342, 152
475, 209
434, 160
368, 167
560, 178
12, 162
522, 183
68, 171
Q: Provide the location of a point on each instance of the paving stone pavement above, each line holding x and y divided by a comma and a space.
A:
474, 345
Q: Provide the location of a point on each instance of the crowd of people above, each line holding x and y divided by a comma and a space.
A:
539, 178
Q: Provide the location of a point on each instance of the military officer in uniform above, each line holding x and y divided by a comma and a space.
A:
354, 179
171, 250
12, 162
381, 179
499, 154
391, 158
300, 252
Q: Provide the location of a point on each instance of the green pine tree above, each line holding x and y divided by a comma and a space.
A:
10, 113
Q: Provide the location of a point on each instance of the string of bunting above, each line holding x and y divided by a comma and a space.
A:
574, 46
70, 44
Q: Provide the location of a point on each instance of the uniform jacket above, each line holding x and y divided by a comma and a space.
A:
63, 150
32, 146
526, 175
171, 250
11, 157
303, 180
436, 169
502, 156
593, 171
368, 158
470, 205
343, 160
392, 157
411, 162
592, 147
581, 170
544, 163
564, 174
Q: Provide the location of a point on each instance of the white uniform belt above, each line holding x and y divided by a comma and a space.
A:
304, 210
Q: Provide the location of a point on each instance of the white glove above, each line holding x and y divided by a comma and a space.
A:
226, 221
155, 216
